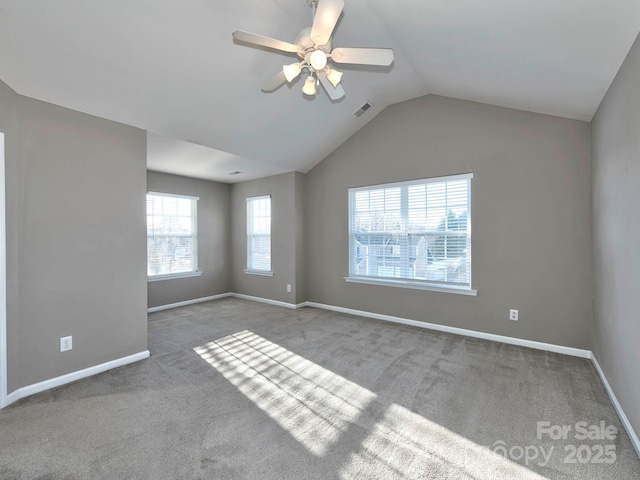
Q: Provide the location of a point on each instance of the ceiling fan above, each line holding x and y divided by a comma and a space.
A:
313, 46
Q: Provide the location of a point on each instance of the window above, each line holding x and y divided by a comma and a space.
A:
412, 234
171, 236
259, 235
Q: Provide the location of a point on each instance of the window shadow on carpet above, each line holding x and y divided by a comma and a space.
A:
321, 409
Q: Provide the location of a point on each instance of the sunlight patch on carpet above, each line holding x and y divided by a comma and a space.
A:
316, 406
310, 402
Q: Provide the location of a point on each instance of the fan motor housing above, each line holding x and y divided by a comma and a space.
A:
305, 44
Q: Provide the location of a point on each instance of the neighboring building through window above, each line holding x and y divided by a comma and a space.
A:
259, 235
415, 233
171, 235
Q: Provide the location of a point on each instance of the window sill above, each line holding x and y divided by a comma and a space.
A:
418, 286
261, 273
173, 276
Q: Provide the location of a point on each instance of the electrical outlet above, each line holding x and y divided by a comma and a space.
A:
66, 343
289, 288
513, 315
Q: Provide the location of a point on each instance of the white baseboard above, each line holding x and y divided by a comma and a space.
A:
73, 376
187, 302
576, 352
549, 347
623, 417
223, 295
269, 301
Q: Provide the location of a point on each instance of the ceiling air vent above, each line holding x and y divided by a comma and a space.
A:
362, 109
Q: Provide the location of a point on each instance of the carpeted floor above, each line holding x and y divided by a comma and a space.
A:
241, 390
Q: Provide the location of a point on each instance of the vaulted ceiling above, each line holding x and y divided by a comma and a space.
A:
172, 68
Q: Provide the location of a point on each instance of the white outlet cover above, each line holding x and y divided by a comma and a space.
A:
66, 343
513, 315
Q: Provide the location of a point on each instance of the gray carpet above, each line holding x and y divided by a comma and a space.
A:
241, 390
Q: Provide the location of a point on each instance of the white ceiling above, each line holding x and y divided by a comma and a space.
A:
171, 67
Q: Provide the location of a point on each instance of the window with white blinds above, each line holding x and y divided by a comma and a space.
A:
171, 234
259, 234
415, 233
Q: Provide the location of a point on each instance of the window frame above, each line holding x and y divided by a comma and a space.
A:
435, 286
194, 235
250, 234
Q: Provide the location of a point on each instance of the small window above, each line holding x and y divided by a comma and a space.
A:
171, 235
259, 235
415, 234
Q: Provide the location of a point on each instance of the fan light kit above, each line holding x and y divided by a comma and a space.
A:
313, 46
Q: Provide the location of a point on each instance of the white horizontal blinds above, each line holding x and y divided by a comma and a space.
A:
259, 233
376, 226
416, 231
171, 234
447, 240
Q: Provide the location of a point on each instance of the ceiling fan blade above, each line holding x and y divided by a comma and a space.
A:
335, 93
275, 82
326, 18
263, 41
363, 56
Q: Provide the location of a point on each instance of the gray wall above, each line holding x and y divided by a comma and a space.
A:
531, 197
214, 240
9, 126
300, 238
616, 235
285, 231
76, 239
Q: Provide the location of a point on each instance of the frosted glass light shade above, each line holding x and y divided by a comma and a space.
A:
309, 87
292, 71
318, 60
334, 76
